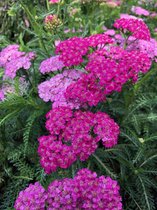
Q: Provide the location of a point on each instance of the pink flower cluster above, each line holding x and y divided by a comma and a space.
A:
74, 134
11, 59
54, 89
98, 40
140, 11
109, 64
51, 64
33, 197
146, 47
137, 27
86, 91
108, 70
72, 51
85, 191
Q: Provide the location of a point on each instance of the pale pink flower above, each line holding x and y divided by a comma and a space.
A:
140, 11
54, 1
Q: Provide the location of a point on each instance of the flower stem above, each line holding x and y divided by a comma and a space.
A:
103, 165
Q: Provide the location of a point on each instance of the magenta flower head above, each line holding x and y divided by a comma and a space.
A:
85, 191
32, 198
137, 27
74, 135
71, 51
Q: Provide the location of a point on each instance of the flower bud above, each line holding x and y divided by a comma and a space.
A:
52, 22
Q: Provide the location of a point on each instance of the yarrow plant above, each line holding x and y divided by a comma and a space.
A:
85, 191
107, 67
83, 72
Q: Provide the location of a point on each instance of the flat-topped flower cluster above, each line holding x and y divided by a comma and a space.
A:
106, 63
87, 69
85, 191
74, 135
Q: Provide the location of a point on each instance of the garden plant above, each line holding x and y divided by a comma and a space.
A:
78, 105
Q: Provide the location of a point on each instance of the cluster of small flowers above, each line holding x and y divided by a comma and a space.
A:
54, 89
132, 43
51, 64
98, 40
105, 72
11, 59
137, 27
33, 197
72, 51
74, 134
85, 191
140, 11
85, 91
108, 71
146, 47
52, 22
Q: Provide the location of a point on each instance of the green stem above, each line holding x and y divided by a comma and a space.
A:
36, 26
139, 84
103, 165
22, 177
89, 164
73, 172
58, 9
47, 4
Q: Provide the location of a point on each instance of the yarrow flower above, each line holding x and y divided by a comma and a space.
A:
33, 197
74, 135
98, 39
85, 91
51, 64
108, 70
12, 60
137, 27
85, 191
54, 89
72, 51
